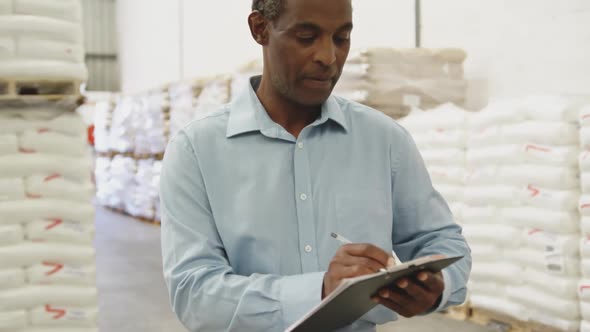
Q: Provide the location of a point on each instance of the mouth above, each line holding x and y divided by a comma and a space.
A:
321, 82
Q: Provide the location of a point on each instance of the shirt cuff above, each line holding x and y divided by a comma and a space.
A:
300, 294
446, 292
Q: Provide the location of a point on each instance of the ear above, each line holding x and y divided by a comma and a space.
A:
258, 27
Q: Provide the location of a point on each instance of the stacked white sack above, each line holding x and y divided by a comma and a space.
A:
521, 216
440, 135
47, 267
396, 80
584, 207
183, 100
41, 39
102, 125
242, 77
151, 124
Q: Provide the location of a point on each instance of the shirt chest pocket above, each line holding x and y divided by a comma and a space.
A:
364, 216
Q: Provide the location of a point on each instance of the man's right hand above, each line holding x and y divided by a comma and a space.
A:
353, 260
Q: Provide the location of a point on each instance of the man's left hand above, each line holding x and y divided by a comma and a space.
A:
413, 296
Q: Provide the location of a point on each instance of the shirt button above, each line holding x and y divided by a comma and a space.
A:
303, 197
308, 248
300, 145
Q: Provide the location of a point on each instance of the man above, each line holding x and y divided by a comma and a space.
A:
252, 192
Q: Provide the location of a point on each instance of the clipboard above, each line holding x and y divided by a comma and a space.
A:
352, 298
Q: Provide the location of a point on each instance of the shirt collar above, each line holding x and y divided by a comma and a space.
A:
247, 113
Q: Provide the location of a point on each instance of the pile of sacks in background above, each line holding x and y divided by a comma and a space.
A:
394, 81
189, 100
520, 212
511, 176
47, 260
584, 207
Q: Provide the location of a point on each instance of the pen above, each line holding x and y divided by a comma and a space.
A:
344, 240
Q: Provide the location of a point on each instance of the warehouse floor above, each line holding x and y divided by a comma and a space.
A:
132, 293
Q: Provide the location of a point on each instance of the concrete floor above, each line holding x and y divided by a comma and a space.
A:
132, 293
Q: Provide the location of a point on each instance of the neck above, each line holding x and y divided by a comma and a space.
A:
288, 114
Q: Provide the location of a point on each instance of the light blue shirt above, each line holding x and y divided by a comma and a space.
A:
247, 212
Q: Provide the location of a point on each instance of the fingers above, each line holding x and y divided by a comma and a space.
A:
432, 281
369, 251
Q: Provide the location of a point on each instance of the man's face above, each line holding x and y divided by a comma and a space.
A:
307, 48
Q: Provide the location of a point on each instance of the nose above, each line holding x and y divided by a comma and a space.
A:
326, 52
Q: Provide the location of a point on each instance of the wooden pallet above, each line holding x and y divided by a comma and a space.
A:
461, 313
503, 323
35, 92
142, 219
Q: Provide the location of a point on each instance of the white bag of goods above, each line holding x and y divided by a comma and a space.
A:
501, 273
585, 310
481, 214
12, 189
53, 143
551, 242
562, 287
585, 247
11, 234
447, 175
551, 133
439, 138
585, 325
550, 221
42, 120
584, 205
585, 182
491, 195
584, 161
585, 137
566, 325
478, 138
499, 305
12, 278
542, 301
485, 252
16, 320
68, 10
480, 176
548, 262
550, 108
28, 253
584, 290
49, 273
12, 212
8, 144
449, 157
557, 200
29, 297
551, 177
486, 288
64, 316
451, 193
524, 153
497, 234
53, 166
585, 267
59, 187
62, 231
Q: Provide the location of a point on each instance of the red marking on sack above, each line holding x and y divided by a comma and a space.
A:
534, 231
440, 130
59, 313
56, 268
42, 130
24, 150
536, 147
584, 287
585, 155
52, 177
587, 239
54, 223
585, 206
534, 191
585, 116
33, 196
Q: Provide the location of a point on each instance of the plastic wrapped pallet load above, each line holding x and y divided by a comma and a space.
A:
396, 80
47, 262
521, 193
41, 40
584, 208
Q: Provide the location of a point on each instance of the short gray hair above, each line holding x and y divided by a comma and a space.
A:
271, 9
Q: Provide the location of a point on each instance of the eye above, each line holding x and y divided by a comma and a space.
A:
306, 39
341, 39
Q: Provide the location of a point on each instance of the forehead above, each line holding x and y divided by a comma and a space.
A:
324, 13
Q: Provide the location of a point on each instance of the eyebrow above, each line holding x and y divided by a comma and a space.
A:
315, 27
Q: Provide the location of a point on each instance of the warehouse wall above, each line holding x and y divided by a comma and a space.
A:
538, 46
515, 47
148, 43
216, 36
